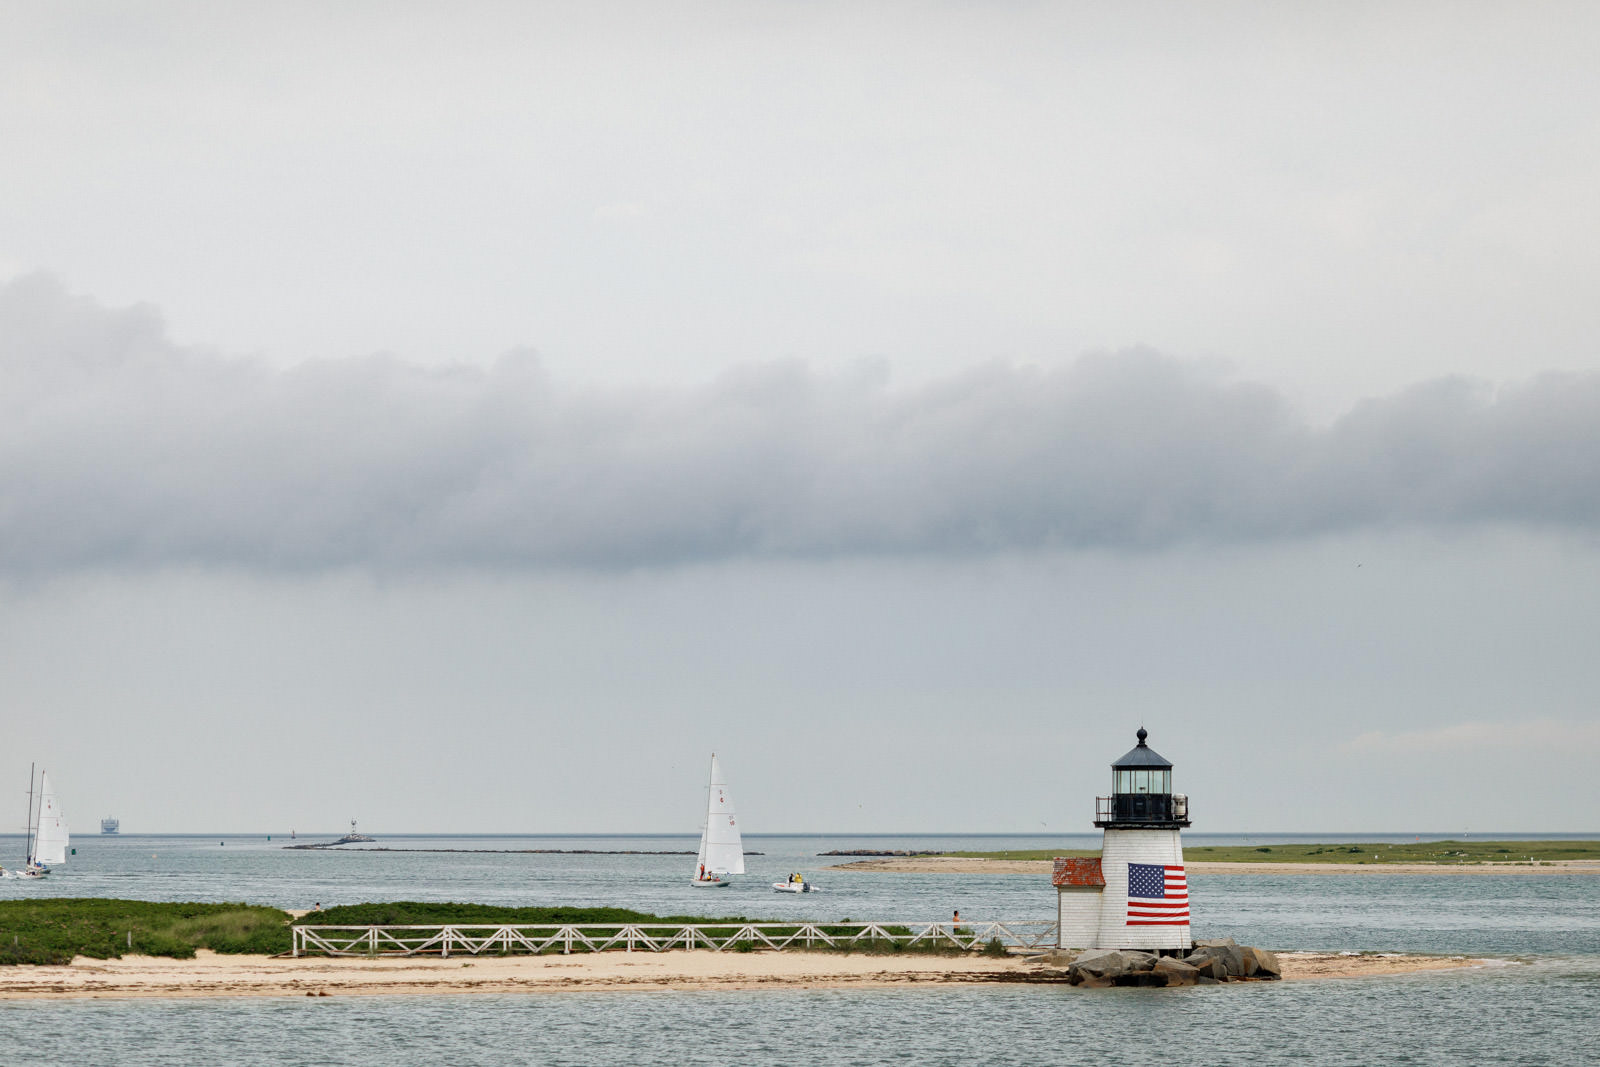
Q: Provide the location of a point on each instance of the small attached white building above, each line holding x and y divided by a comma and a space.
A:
1136, 894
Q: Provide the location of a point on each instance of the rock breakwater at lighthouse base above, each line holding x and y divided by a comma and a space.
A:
1215, 962
1209, 963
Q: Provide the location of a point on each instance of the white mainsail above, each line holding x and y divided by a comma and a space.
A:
721, 850
50, 840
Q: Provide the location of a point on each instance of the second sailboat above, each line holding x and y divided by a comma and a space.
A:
721, 850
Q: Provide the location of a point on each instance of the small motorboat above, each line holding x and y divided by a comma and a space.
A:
795, 885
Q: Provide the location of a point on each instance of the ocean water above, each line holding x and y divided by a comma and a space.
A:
1538, 1001
1541, 1012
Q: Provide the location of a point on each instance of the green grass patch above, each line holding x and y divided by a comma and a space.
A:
1028, 854
1440, 852
53, 930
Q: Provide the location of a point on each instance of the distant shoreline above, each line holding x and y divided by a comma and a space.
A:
978, 865
211, 975
332, 845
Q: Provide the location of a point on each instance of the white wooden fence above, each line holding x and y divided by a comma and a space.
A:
489, 939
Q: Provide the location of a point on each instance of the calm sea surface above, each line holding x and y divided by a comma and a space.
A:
1539, 1001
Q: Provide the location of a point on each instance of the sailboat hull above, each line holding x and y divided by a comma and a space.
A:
709, 883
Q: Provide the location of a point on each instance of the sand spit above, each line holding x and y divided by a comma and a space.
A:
1302, 965
210, 975
961, 865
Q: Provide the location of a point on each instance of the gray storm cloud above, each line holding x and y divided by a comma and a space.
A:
121, 449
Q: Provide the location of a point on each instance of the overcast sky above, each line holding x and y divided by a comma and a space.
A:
467, 417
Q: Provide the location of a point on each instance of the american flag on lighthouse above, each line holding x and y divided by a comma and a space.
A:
1158, 895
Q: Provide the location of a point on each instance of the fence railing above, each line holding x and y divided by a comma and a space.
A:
488, 939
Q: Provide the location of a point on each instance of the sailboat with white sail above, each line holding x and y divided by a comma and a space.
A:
721, 849
47, 829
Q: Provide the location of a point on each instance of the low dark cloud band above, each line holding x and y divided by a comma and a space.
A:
121, 449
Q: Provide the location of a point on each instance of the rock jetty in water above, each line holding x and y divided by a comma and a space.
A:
1208, 963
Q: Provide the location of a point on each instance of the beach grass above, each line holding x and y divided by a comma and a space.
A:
53, 930
1435, 852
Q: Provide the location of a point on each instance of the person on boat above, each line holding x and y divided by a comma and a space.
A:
702, 872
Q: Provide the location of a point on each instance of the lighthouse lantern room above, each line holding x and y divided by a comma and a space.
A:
1136, 895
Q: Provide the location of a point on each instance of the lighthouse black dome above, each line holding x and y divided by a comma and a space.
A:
1142, 755
1141, 793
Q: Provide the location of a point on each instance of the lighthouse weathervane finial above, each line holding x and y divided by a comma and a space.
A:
1141, 735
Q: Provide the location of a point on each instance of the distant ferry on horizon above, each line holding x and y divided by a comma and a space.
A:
108, 825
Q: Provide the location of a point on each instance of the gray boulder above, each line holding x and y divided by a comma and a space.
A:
1112, 963
1176, 972
1217, 942
1102, 961
1096, 969
1227, 961
1141, 961
1266, 963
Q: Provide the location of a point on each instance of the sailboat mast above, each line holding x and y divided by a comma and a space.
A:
705, 823
31, 827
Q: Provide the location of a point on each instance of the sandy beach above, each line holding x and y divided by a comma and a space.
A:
211, 975
963, 865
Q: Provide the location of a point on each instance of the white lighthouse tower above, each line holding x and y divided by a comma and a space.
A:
1136, 894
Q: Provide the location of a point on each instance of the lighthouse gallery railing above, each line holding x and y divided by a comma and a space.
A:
476, 939
1141, 807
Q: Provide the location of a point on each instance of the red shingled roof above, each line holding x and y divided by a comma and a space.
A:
1078, 872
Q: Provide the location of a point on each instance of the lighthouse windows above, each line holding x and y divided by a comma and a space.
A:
1143, 781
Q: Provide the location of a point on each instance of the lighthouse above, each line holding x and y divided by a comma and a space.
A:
1136, 894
